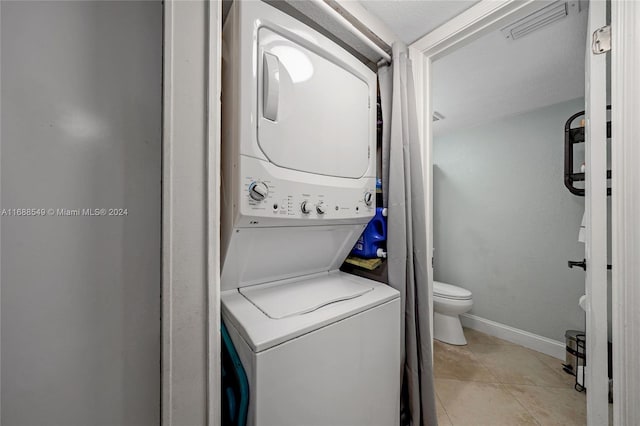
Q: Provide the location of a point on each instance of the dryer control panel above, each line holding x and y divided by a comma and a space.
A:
269, 195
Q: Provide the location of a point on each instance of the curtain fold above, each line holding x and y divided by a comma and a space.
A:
403, 195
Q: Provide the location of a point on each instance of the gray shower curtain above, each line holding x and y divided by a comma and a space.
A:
403, 195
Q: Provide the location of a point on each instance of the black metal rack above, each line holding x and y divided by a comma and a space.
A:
572, 136
581, 353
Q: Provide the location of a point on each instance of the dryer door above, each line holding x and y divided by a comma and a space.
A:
313, 109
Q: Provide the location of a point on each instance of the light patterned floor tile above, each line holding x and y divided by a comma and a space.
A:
556, 365
458, 362
552, 406
494, 382
481, 404
478, 338
517, 365
443, 417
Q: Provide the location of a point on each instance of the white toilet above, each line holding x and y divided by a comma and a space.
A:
449, 301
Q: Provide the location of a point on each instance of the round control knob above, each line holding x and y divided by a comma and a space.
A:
321, 208
368, 198
258, 190
305, 207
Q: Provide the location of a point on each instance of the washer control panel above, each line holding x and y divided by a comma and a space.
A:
321, 198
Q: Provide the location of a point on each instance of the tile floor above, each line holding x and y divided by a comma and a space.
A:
493, 382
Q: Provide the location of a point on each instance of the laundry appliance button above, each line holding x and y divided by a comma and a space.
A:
321, 208
305, 207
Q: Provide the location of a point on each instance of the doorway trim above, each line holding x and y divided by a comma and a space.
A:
464, 28
486, 16
471, 24
190, 213
625, 155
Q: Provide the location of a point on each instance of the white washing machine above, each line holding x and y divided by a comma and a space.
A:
320, 347
319, 351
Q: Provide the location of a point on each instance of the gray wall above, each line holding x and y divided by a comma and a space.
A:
505, 225
81, 128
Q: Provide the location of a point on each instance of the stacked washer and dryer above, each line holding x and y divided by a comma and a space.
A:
320, 347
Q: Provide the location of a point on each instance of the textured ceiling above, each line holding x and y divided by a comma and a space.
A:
411, 19
494, 77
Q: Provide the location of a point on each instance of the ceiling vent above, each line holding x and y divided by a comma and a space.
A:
541, 18
437, 116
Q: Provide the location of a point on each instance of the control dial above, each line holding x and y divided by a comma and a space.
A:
304, 207
321, 208
258, 190
368, 198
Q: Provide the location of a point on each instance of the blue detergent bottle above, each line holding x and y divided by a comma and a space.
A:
373, 240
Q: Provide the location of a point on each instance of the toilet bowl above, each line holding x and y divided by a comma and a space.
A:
449, 301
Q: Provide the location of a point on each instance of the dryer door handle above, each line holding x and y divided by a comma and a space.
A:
270, 86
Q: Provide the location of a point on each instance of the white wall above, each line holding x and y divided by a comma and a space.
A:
81, 128
505, 225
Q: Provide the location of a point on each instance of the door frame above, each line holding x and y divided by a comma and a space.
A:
625, 154
595, 207
464, 28
487, 15
190, 367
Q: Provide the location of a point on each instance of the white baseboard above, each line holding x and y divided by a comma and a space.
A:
528, 340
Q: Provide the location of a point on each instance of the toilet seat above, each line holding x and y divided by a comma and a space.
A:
448, 291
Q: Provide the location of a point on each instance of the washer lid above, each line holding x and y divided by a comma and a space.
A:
301, 297
311, 307
449, 291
